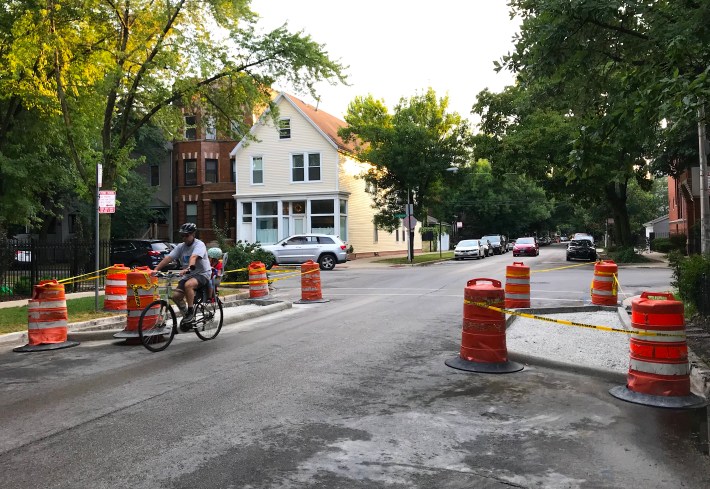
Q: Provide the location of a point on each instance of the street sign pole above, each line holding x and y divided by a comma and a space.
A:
410, 229
96, 254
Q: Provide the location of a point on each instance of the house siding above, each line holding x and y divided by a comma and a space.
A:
338, 182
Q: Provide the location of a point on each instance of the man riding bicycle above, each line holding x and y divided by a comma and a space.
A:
196, 271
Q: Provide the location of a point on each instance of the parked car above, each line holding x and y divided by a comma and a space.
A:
469, 248
526, 246
498, 243
583, 236
22, 259
488, 248
326, 249
510, 245
141, 253
581, 249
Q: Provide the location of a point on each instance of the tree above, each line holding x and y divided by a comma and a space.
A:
112, 67
409, 150
614, 70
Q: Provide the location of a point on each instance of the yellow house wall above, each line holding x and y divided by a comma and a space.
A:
361, 213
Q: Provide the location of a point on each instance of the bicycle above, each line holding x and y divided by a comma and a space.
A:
158, 326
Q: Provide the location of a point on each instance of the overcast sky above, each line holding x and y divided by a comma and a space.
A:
398, 48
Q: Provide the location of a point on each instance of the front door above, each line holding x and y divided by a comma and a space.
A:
299, 224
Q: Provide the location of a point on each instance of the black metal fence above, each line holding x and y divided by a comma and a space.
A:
24, 263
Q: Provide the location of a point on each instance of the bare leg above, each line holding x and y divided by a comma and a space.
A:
190, 287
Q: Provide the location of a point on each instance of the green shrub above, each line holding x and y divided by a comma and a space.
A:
691, 276
661, 245
23, 286
627, 255
241, 255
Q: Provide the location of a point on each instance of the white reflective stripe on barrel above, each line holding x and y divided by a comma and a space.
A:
153, 311
659, 368
678, 335
517, 296
141, 292
521, 281
602, 292
603, 279
47, 324
115, 297
117, 283
47, 304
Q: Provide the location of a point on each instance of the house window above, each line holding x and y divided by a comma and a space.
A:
257, 170
210, 128
246, 212
190, 128
322, 216
154, 175
285, 129
298, 167
267, 224
233, 164
343, 219
190, 172
314, 167
210, 171
191, 212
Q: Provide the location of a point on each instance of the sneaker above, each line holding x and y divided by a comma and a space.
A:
188, 321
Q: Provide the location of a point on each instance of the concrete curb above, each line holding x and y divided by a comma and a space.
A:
104, 328
699, 371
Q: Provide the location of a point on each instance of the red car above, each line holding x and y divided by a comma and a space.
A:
526, 247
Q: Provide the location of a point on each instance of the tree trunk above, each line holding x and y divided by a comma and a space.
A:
616, 197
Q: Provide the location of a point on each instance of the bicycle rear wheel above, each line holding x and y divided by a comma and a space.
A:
209, 319
156, 327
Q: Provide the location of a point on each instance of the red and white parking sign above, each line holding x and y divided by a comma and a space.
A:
107, 201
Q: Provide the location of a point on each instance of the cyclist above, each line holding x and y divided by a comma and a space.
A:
197, 272
215, 255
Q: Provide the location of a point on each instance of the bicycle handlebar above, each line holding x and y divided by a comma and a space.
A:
168, 274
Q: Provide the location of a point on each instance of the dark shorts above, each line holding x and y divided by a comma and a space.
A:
201, 282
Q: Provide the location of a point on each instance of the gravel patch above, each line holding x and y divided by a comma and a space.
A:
571, 344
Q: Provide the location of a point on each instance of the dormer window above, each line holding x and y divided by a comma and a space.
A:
285, 129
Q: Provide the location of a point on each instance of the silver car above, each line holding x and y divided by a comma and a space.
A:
469, 248
325, 249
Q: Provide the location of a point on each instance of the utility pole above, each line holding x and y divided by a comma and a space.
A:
703, 187
410, 228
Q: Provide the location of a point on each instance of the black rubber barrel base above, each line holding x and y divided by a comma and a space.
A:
484, 367
672, 402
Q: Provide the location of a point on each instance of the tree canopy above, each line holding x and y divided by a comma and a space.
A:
409, 149
107, 68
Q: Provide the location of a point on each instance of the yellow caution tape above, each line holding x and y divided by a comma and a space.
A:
640, 332
562, 268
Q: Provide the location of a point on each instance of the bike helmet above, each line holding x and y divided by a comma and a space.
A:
215, 253
188, 228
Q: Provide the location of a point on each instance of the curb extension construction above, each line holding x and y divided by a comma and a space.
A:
699, 371
102, 329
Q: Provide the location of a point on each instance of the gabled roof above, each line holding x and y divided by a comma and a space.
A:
656, 220
323, 122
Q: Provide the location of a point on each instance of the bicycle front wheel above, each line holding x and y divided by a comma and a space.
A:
156, 327
209, 320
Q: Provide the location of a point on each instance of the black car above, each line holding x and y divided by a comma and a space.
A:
581, 249
140, 253
499, 244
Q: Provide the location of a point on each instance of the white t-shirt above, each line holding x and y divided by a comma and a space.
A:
182, 253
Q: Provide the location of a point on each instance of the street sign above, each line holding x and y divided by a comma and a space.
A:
409, 222
107, 201
400, 216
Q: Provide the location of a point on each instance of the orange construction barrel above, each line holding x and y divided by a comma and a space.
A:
115, 291
310, 283
659, 373
258, 282
604, 283
47, 318
483, 347
141, 290
517, 285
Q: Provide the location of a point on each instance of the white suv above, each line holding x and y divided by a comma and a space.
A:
325, 249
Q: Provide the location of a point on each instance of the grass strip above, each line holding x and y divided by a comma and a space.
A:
423, 258
14, 319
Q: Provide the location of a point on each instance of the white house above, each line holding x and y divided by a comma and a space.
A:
299, 177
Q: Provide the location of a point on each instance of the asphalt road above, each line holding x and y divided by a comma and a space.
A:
352, 393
